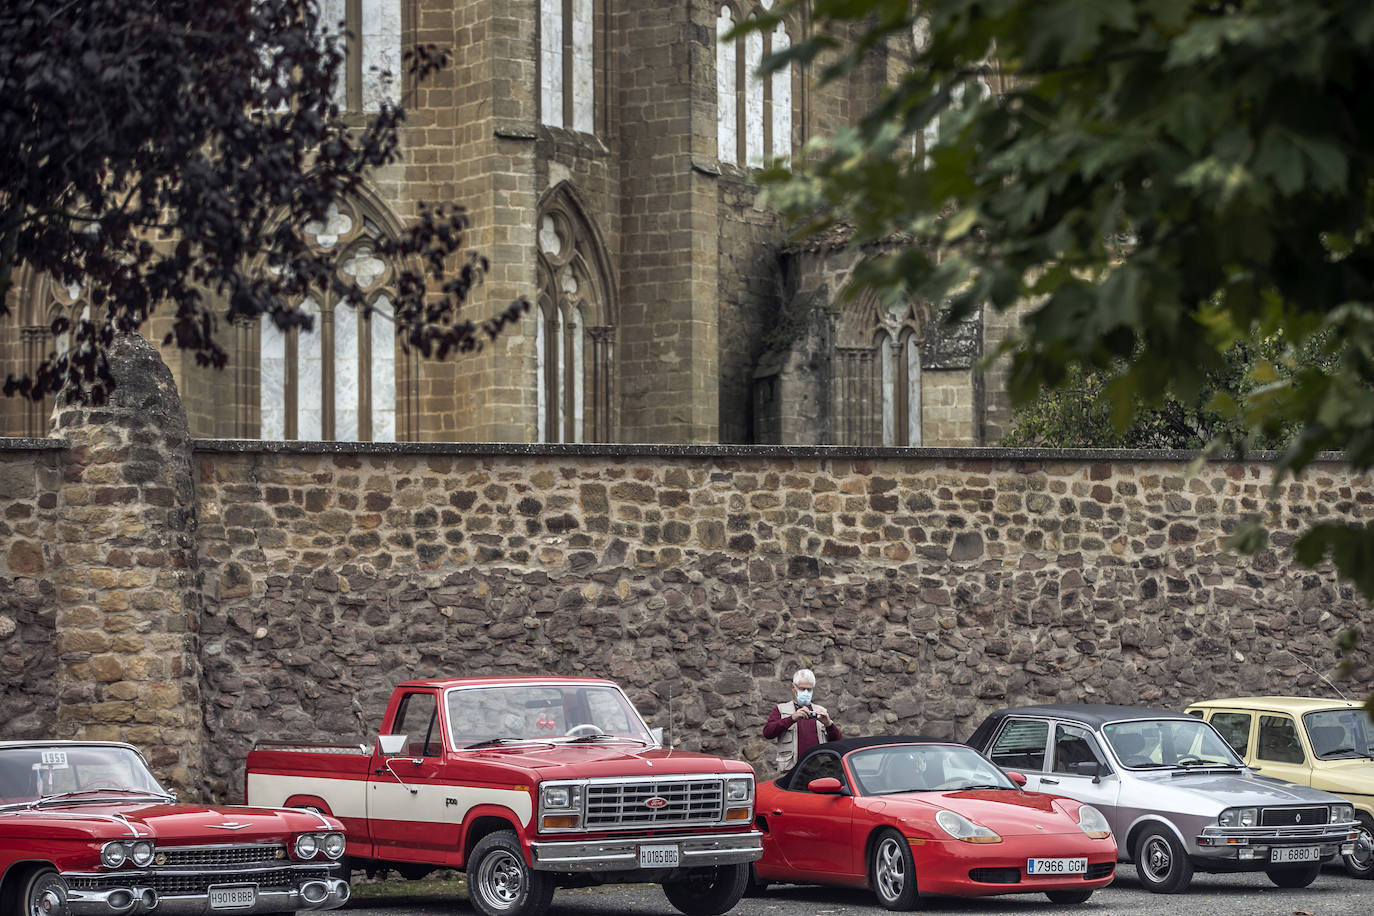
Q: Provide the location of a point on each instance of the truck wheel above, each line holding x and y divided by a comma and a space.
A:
499, 881
41, 893
1360, 863
1294, 877
1162, 862
708, 891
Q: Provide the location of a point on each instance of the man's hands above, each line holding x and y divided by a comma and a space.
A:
806, 712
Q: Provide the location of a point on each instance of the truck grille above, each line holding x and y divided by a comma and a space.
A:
620, 805
1293, 817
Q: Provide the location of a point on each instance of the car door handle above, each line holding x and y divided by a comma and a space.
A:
777, 812
1046, 781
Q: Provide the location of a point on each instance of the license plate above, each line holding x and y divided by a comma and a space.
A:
233, 896
1056, 866
1295, 854
658, 857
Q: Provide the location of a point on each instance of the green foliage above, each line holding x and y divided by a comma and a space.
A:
1161, 179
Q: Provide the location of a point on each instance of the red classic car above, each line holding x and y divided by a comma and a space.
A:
910, 816
86, 828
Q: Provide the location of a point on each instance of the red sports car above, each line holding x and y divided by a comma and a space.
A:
85, 828
911, 816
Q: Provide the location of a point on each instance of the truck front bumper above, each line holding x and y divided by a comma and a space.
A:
615, 854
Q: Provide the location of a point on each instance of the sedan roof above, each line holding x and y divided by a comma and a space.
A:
1091, 714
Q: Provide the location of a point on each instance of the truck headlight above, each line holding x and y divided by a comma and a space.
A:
1239, 817
1091, 822
561, 798
1341, 813
738, 790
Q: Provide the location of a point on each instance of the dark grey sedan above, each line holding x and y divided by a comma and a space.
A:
1175, 794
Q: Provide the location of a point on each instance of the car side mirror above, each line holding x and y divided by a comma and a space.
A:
391, 745
657, 734
826, 785
1088, 768
1018, 778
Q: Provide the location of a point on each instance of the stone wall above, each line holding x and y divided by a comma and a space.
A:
925, 588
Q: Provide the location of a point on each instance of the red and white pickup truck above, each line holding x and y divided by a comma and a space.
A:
528, 784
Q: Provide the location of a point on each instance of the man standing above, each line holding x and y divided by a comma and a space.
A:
799, 723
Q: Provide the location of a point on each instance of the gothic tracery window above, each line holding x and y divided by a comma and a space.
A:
573, 328
372, 56
337, 381
877, 376
753, 114
567, 75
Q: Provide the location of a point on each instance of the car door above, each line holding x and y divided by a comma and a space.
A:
812, 830
1021, 745
1072, 747
1279, 750
412, 825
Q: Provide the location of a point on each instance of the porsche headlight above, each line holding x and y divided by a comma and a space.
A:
1341, 813
1091, 822
738, 790
307, 844
965, 830
1239, 817
112, 855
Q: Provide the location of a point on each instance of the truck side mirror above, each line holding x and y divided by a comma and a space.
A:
391, 745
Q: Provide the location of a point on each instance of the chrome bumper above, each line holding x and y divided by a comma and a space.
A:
1254, 843
622, 853
311, 894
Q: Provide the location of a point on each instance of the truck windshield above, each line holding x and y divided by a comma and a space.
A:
1340, 733
33, 773
1169, 743
541, 712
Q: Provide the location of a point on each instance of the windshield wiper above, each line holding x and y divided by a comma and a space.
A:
1208, 764
583, 739
978, 786
61, 796
493, 742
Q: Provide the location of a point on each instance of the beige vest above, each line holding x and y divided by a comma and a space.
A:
787, 741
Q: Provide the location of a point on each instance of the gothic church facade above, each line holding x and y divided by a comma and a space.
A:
605, 151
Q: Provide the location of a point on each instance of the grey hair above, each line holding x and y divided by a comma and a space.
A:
803, 675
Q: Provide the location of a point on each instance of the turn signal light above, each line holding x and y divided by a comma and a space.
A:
555, 821
737, 814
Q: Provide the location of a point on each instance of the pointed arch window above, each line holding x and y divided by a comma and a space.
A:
573, 331
36, 313
876, 376
337, 381
753, 116
567, 72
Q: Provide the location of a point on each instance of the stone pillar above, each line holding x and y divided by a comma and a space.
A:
128, 578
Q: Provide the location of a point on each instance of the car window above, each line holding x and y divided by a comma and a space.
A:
1235, 728
817, 766
924, 768
1278, 740
1020, 745
1339, 733
1184, 742
1073, 745
418, 719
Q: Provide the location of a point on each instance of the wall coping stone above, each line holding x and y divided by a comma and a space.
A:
26, 444
563, 450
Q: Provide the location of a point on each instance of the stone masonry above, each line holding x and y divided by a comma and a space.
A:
204, 594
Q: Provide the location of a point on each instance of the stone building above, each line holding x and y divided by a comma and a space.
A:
606, 153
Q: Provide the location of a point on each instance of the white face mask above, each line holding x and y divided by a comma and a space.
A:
803, 698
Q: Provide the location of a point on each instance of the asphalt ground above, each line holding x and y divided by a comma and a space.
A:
1333, 894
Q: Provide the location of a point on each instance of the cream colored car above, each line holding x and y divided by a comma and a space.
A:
1322, 743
